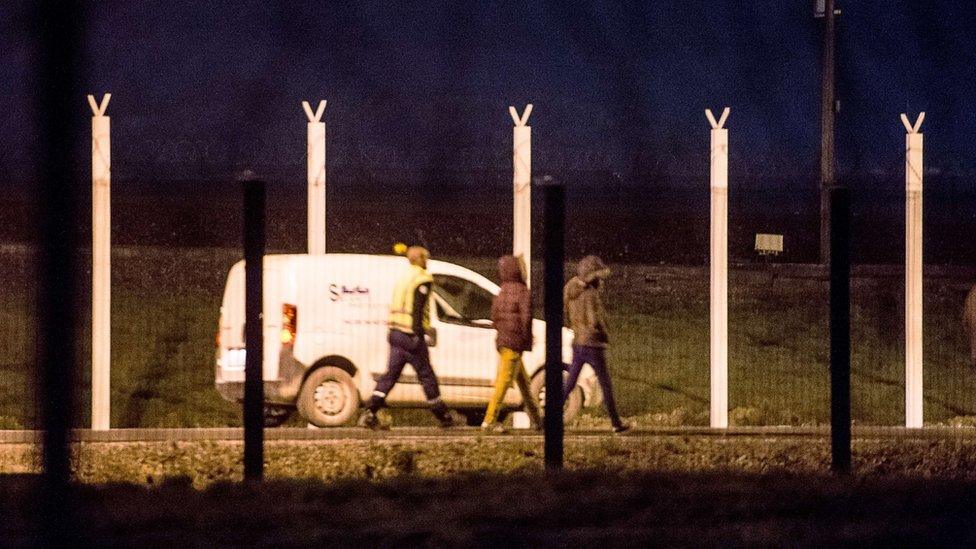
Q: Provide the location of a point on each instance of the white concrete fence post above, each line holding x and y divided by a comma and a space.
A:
718, 356
913, 272
522, 185
316, 178
101, 329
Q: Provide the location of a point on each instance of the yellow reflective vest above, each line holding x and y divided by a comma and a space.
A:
401, 307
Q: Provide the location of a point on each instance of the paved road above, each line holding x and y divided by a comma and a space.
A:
468, 433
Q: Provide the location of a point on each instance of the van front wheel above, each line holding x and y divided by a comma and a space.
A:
329, 397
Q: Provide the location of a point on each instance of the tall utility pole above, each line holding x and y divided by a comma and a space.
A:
827, 110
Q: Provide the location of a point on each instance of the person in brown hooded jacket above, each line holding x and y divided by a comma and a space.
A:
511, 313
587, 318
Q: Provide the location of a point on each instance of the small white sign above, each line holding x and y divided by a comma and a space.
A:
769, 243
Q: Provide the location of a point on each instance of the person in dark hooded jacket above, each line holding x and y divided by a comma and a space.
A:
586, 316
511, 313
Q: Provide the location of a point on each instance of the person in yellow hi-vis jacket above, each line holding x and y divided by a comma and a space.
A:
511, 313
410, 330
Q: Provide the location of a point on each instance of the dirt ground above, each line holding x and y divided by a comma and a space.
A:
203, 463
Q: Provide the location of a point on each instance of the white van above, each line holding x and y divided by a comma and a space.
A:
325, 339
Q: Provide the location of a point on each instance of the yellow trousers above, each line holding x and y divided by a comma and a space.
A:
510, 366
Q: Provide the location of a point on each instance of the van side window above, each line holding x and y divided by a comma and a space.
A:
470, 301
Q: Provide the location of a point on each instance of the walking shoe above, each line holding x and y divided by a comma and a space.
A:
496, 428
447, 420
621, 429
370, 420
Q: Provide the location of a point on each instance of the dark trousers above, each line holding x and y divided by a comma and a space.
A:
597, 359
406, 349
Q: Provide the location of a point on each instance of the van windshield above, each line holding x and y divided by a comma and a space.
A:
465, 300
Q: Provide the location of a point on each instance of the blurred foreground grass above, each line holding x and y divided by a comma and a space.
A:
719, 491
166, 302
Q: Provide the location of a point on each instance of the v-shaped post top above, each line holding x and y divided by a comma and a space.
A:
520, 120
908, 126
314, 116
721, 121
98, 109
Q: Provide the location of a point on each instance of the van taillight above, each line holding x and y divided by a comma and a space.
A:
289, 323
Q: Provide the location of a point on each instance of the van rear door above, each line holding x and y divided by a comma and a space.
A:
271, 318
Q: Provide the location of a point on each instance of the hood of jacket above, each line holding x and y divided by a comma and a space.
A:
591, 268
510, 269
588, 270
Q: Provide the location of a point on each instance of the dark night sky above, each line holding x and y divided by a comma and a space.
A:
203, 88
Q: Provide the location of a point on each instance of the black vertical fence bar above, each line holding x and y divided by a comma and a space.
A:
553, 257
840, 330
254, 236
59, 31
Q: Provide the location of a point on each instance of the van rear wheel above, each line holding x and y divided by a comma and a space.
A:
573, 404
329, 397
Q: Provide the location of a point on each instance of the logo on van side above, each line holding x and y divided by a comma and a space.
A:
338, 291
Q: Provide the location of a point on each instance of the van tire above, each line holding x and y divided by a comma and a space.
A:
328, 398
573, 404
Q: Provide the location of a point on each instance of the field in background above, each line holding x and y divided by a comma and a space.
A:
166, 302
469, 214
